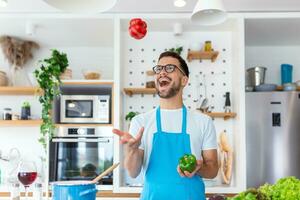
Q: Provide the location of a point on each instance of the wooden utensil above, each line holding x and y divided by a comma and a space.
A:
107, 171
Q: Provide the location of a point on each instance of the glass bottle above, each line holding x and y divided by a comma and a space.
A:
38, 192
227, 103
15, 191
0, 177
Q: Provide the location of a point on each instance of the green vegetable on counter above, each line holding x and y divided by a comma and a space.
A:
187, 163
250, 194
285, 189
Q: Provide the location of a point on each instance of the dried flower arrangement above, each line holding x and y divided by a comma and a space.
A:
17, 51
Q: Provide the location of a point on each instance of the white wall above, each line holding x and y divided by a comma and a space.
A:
95, 58
272, 57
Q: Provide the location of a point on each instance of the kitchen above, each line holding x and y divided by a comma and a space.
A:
101, 43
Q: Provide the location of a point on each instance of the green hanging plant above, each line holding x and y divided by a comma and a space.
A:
48, 79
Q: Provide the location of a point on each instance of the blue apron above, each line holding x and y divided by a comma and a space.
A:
162, 180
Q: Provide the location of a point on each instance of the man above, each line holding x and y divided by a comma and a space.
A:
157, 139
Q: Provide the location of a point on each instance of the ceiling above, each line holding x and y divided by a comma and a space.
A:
159, 6
89, 31
61, 32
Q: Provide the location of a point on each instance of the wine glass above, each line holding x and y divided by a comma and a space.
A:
27, 174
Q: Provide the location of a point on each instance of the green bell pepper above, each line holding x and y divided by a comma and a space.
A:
187, 163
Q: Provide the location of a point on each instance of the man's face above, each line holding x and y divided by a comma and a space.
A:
168, 84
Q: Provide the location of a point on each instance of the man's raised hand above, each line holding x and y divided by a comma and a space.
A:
127, 138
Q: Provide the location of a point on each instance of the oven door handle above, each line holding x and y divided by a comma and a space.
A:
101, 140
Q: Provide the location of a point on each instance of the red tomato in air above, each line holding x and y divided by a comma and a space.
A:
137, 28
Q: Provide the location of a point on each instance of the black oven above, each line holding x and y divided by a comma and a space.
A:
81, 153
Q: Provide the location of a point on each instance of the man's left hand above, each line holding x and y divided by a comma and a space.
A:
190, 174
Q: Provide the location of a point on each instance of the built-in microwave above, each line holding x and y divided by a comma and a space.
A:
85, 109
81, 153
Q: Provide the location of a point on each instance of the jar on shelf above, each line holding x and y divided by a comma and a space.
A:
15, 191
15, 116
207, 46
150, 79
7, 114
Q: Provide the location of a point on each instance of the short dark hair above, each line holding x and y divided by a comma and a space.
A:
179, 58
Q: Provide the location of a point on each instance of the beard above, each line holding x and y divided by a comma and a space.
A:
171, 92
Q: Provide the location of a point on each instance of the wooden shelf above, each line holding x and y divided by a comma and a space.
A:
79, 125
38, 122
87, 82
11, 90
220, 115
280, 88
132, 91
14, 123
20, 91
211, 55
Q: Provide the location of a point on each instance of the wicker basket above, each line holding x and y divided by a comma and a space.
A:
3, 79
91, 75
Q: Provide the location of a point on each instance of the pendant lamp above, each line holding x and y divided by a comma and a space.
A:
209, 12
83, 6
3, 3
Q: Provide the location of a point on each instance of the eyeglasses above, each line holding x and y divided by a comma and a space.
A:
169, 68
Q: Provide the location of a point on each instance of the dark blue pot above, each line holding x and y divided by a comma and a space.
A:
74, 190
25, 113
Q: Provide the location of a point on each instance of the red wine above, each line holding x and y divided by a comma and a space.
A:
27, 178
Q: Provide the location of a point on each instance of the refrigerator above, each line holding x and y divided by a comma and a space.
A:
272, 136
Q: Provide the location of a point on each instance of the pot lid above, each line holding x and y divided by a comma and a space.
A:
72, 183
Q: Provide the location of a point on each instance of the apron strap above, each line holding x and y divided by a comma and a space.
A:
158, 121
183, 126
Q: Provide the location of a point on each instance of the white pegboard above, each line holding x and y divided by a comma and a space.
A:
139, 56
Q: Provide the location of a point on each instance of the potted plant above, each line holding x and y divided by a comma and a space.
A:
177, 50
25, 111
48, 78
129, 116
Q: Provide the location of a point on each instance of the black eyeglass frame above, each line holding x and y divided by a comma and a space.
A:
163, 67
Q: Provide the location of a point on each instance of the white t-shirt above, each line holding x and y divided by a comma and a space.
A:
200, 127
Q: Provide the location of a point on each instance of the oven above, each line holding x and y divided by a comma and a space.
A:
81, 153
85, 109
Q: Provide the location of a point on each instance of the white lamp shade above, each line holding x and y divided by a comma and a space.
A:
209, 12
3, 3
30, 28
177, 29
83, 6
